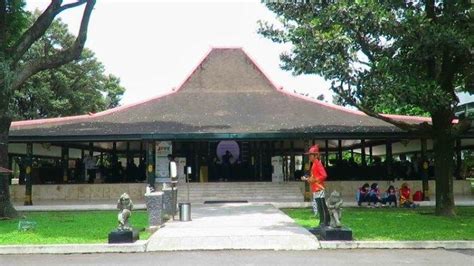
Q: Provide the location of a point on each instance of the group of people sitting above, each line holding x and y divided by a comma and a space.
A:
374, 198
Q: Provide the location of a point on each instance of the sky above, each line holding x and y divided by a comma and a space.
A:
153, 45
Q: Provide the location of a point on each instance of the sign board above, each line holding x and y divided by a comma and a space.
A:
162, 170
163, 148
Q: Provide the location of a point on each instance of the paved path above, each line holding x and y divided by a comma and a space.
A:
233, 226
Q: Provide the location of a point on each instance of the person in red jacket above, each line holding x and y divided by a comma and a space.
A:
316, 181
405, 200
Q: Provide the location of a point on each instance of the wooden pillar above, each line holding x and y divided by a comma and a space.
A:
362, 152
196, 161
388, 158
114, 155
91, 149
326, 152
129, 156
28, 169
65, 163
424, 170
150, 162
339, 150
141, 151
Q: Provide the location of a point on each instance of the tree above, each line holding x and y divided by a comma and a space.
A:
414, 53
386, 105
15, 69
78, 87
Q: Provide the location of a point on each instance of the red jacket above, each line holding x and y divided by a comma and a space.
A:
404, 194
318, 173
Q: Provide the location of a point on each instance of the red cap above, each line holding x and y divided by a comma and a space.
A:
313, 149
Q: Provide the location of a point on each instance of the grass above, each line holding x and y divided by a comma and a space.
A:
398, 223
68, 227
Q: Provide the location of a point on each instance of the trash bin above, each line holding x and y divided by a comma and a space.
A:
185, 212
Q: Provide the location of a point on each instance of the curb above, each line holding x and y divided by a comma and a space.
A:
397, 244
138, 246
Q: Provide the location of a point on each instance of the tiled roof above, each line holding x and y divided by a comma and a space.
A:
226, 93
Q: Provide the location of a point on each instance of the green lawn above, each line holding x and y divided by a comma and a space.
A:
68, 227
398, 223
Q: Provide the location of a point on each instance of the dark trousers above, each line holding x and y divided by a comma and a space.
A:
323, 212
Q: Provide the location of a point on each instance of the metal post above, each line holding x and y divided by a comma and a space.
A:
28, 181
150, 163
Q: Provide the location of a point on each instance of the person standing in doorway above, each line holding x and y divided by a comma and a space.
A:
316, 181
226, 161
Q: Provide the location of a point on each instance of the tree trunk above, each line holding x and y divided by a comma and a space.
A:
6, 208
443, 146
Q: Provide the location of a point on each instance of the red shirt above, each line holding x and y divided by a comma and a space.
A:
318, 173
404, 194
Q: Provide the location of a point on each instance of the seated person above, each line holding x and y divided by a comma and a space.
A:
374, 194
362, 194
405, 200
390, 196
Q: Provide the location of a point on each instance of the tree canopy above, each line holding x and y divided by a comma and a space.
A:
414, 54
17, 66
78, 87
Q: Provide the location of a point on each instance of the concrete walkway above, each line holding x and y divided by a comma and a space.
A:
233, 226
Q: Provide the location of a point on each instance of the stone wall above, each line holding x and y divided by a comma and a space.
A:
80, 191
137, 190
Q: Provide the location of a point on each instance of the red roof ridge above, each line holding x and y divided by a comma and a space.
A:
48, 120
356, 112
89, 115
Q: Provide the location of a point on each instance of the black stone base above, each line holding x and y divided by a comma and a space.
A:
123, 236
329, 233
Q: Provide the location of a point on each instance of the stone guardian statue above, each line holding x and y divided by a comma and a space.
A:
125, 206
334, 204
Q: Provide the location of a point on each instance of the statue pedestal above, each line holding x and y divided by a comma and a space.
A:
123, 236
154, 206
329, 233
170, 198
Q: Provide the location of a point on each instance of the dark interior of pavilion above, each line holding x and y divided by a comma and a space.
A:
125, 162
